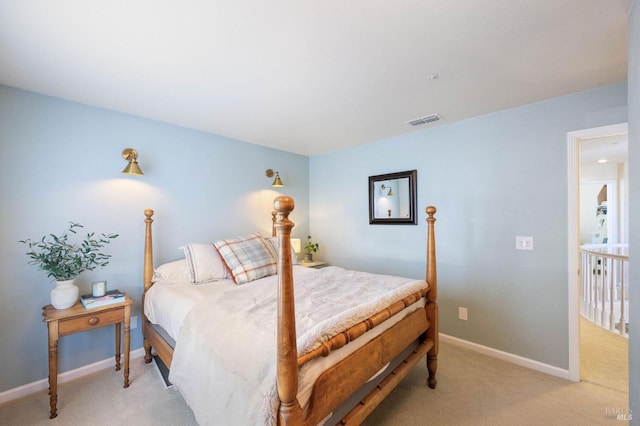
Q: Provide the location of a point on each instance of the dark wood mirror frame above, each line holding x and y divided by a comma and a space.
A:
381, 190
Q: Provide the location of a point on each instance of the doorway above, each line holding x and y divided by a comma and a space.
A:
574, 142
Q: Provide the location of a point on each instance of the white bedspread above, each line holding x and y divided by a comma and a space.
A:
224, 363
168, 305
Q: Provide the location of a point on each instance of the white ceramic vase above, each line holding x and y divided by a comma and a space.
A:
64, 295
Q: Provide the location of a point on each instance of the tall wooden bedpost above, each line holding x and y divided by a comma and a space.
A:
147, 273
432, 296
290, 412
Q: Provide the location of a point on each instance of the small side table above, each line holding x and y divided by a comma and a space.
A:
62, 322
316, 264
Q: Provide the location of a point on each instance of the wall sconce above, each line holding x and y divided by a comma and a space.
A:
277, 183
390, 193
131, 155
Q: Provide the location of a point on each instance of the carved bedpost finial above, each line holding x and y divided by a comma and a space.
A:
284, 205
148, 213
430, 211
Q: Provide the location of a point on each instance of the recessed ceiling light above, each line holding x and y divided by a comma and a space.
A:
602, 160
433, 76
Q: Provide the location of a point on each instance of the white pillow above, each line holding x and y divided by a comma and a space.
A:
172, 272
248, 257
204, 263
275, 241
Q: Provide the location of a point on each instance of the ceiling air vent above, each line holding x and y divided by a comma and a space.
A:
424, 120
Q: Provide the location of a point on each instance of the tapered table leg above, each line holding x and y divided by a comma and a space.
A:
118, 327
127, 343
53, 368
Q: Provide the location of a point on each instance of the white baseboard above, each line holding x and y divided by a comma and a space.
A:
506, 356
39, 385
67, 376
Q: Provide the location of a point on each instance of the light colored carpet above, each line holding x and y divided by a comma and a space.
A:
604, 356
477, 390
99, 399
473, 389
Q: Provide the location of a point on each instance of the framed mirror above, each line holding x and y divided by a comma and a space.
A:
392, 199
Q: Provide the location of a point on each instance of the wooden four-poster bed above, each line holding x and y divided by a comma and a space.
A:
368, 358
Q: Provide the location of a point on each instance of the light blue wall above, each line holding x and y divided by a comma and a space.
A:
492, 178
61, 161
634, 212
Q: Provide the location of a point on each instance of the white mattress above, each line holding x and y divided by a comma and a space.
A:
167, 305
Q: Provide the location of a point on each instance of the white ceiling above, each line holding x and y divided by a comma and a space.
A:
310, 77
612, 148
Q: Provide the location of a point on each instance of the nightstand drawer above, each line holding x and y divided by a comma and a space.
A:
98, 319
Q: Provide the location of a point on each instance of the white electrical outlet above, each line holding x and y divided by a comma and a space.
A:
462, 313
524, 243
133, 323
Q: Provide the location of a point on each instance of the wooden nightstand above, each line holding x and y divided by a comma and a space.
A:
316, 264
62, 322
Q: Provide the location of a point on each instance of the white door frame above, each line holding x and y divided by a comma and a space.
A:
573, 234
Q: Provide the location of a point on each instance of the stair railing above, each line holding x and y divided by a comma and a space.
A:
605, 286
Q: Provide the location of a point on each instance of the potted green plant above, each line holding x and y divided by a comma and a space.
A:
64, 261
310, 248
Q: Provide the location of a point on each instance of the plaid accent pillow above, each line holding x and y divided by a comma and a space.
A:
248, 258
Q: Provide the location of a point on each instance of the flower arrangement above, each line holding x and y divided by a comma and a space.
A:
63, 260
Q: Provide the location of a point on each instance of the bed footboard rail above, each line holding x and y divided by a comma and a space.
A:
347, 336
290, 411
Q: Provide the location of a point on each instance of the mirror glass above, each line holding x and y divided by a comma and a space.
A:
392, 198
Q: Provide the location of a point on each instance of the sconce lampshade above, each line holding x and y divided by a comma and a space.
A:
277, 182
131, 155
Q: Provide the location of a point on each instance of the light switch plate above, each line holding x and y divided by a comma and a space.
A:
524, 243
463, 313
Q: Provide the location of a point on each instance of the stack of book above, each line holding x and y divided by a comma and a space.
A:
110, 297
